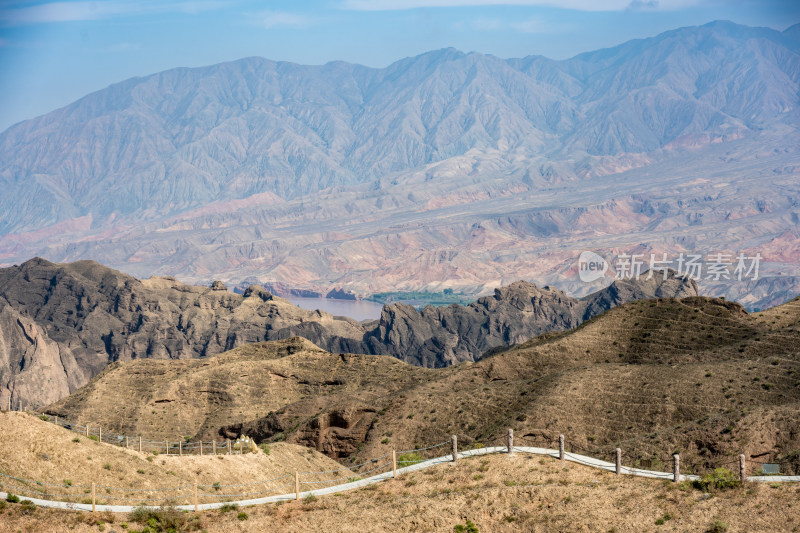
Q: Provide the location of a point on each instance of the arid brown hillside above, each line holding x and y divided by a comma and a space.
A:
498, 493
54, 455
61, 324
697, 375
197, 397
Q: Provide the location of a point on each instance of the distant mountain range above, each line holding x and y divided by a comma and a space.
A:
443, 170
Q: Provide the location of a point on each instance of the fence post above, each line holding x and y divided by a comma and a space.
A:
140, 444
166, 447
561, 447
510, 440
229, 446
296, 485
214, 445
180, 447
676, 468
87, 431
126, 442
94, 499
394, 464
742, 468
56, 419
201, 447
195, 496
619, 461
455, 448
99, 434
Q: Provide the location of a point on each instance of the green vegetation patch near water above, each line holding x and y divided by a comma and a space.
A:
422, 298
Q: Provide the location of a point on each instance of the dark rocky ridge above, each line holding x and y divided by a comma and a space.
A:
441, 336
61, 324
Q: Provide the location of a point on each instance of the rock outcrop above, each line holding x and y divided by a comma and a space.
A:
33, 367
62, 324
441, 336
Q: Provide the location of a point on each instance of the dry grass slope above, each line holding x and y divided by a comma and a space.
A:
197, 397
35, 450
694, 375
496, 493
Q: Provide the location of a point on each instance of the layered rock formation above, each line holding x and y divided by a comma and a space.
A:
64, 323
441, 336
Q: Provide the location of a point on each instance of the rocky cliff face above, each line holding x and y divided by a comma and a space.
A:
61, 324
33, 367
444, 336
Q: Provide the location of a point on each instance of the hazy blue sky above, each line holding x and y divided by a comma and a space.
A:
52, 53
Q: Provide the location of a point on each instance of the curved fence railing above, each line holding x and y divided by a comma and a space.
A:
298, 485
166, 447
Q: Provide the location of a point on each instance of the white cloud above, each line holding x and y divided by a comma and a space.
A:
532, 25
82, 11
487, 24
276, 19
529, 25
581, 5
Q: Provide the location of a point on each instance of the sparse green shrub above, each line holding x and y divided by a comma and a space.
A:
27, 506
242, 516
44, 417
310, 499
94, 438
468, 528
67, 482
106, 466
265, 448
410, 458
163, 519
228, 507
76, 439
10, 498
717, 526
385, 440
216, 486
719, 479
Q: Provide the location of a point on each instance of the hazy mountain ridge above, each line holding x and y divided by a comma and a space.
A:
185, 137
443, 170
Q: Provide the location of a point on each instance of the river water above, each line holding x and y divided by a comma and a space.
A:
356, 309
